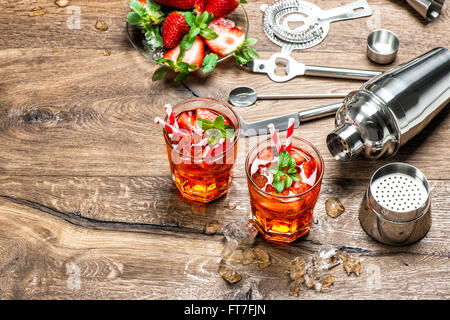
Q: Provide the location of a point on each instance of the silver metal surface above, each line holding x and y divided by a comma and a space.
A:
429, 9
314, 23
390, 109
281, 123
294, 69
382, 46
246, 96
396, 209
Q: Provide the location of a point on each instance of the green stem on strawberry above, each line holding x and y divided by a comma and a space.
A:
147, 18
245, 53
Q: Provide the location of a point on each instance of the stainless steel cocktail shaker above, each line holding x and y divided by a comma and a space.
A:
390, 109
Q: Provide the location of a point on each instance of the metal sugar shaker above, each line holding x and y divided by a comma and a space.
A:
396, 209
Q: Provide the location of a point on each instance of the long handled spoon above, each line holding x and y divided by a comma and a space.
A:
245, 96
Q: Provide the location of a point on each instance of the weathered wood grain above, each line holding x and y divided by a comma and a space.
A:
44, 257
87, 210
137, 202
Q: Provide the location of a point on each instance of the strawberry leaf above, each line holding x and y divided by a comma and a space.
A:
134, 18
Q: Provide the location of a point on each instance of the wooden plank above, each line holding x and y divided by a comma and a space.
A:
138, 202
44, 257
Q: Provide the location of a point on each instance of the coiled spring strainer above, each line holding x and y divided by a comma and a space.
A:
315, 22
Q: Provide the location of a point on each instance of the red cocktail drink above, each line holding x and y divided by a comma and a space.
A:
284, 188
202, 158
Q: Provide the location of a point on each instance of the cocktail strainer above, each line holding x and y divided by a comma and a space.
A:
313, 23
397, 209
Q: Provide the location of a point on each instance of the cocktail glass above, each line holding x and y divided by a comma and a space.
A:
198, 173
286, 216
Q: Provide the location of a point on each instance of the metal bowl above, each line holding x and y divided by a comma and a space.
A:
137, 38
382, 46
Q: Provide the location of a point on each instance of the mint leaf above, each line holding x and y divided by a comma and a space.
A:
228, 134
291, 171
288, 181
291, 164
160, 73
218, 123
279, 185
283, 160
214, 136
295, 177
273, 170
182, 76
204, 124
209, 63
190, 18
209, 33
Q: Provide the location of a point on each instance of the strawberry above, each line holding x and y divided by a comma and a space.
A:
221, 8
180, 61
266, 154
299, 159
299, 187
179, 4
189, 55
228, 40
199, 6
144, 2
231, 40
194, 56
205, 114
173, 29
208, 115
309, 167
186, 121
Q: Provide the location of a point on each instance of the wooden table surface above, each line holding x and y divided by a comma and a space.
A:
87, 207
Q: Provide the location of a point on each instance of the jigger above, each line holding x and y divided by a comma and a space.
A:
429, 9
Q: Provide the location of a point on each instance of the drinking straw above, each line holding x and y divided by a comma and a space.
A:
168, 127
289, 134
171, 115
275, 138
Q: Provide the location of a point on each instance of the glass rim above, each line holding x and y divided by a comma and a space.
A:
237, 131
288, 196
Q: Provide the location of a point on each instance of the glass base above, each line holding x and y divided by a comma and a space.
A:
201, 193
285, 237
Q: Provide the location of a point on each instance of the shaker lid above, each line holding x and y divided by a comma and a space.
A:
398, 192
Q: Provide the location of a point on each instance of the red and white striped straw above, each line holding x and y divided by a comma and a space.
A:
171, 116
168, 127
275, 137
289, 134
